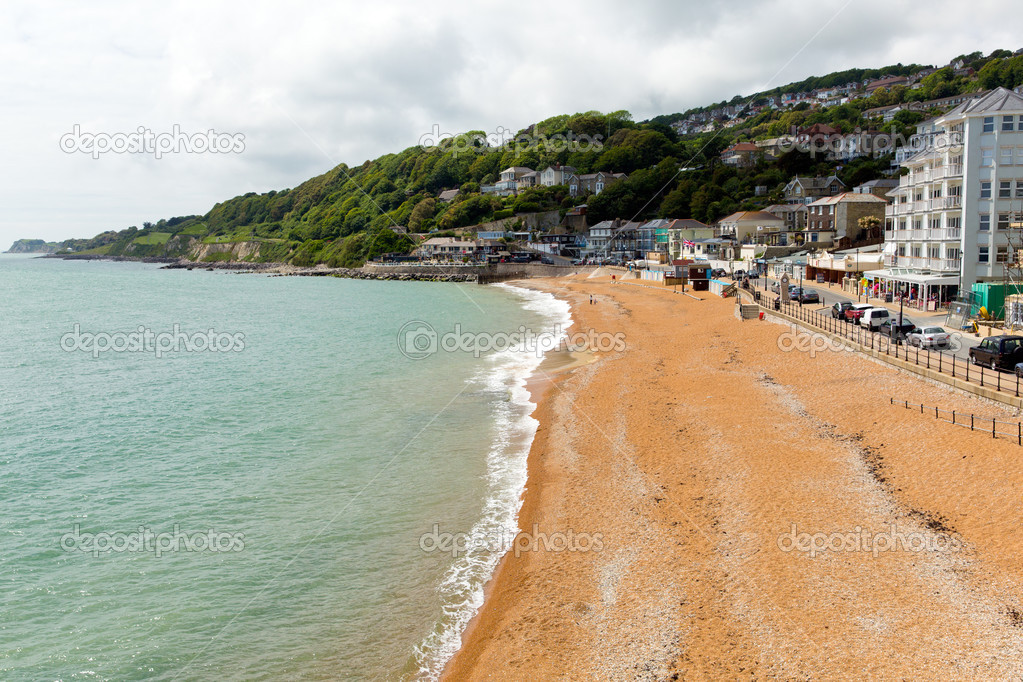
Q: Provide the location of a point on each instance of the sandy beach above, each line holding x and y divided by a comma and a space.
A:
736, 511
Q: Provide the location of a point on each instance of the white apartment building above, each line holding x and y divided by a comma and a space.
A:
948, 227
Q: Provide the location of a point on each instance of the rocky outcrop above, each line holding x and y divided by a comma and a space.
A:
32, 246
233, 251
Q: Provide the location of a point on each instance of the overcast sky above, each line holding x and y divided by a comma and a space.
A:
303, 86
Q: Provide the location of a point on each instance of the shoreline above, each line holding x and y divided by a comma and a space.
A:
692, 453
556, 365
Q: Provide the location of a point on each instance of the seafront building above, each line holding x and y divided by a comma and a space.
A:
949, 225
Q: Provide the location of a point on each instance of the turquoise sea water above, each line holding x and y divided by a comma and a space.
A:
309, 451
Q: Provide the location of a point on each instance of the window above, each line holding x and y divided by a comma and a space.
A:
952, 253
1007, 122
987, 157
1003, 221
1005, 156
1019, 156
936, 193
1002, 254
985, 190
935, 222
902, 250
989, 124
954, 221
982, 255
916, 251
934, 252
813, 236
1005, 189
985, 222
1019, 189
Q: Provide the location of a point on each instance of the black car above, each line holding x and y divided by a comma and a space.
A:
838, 310
896, 332
546, 261
753, 275
998, 352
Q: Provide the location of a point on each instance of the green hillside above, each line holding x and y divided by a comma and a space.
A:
344, 216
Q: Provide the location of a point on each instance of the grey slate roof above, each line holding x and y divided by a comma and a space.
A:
997, 100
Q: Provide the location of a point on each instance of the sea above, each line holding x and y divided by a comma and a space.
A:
214, 475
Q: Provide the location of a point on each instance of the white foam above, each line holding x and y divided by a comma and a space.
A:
462, 588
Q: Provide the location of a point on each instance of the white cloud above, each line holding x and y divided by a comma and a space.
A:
310, 84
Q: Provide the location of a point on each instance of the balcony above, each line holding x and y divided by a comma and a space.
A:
920, 263
944, 234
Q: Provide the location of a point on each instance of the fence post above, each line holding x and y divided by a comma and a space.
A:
1019, 433
971, 422
993, 423
935, 412
953, 416
921, 408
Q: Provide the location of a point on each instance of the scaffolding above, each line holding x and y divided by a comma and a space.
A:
1013, 274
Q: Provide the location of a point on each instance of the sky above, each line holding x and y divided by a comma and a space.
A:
285, 91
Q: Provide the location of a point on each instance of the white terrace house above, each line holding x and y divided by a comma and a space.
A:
948, 227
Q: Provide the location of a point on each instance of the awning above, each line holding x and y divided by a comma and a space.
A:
913, 278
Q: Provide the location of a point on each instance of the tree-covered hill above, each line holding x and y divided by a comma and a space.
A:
346, 215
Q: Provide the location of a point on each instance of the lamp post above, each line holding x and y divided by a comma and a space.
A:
801, 286
902, 298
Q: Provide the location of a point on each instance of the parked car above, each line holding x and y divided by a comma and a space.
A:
753, 275
738, 274
855, 310
896, 332
838, 310
873, 318
930, 337
718, 272
546, 260
998, 352
808, 296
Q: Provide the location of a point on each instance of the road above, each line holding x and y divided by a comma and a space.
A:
830, 296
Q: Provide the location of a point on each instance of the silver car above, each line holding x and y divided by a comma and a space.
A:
930, 337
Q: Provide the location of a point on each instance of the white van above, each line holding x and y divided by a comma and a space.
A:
873, 318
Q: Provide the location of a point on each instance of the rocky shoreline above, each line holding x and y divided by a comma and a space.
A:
282, 269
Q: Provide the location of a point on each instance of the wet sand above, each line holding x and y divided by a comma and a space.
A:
695, 470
